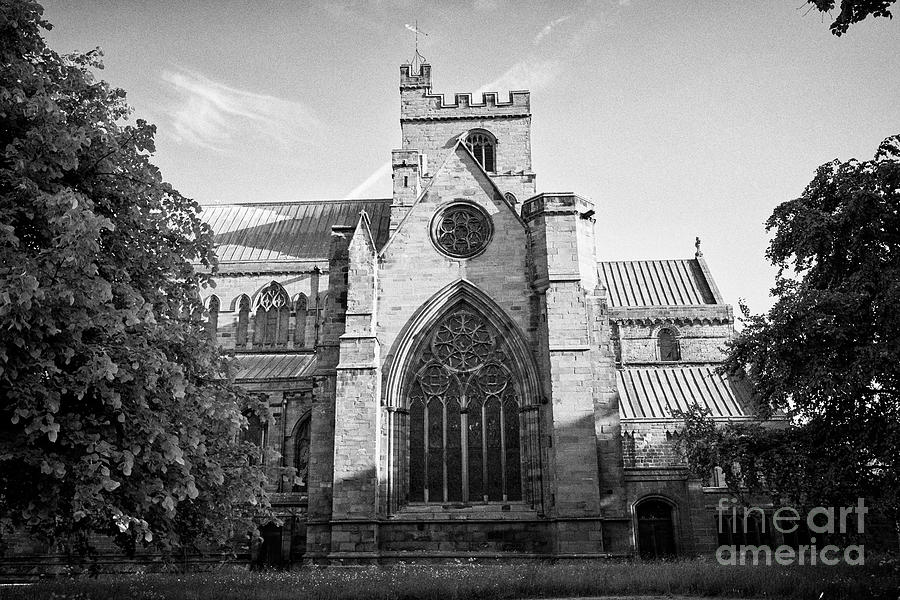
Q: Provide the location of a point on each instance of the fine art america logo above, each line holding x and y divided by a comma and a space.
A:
750, 522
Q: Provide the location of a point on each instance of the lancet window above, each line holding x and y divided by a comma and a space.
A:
483, 145
243, 321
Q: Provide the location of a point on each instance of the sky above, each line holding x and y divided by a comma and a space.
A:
677, 119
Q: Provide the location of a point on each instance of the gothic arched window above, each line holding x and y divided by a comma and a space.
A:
483, 146
464, 417
243, 322
301, 455
669, 350
301, 311
256, 434
272, 317
212, 324
324, 306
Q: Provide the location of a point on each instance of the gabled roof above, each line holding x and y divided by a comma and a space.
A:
637, 283
654, 392
499, 196
290, 231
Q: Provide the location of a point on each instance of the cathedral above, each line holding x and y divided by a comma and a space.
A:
455, 373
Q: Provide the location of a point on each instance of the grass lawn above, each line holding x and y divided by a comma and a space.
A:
464, 581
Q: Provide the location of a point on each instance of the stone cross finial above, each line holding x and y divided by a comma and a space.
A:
697, 254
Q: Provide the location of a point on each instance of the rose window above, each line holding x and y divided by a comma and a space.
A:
462, 230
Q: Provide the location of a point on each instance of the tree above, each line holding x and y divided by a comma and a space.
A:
827, 354
117, 414
853, 11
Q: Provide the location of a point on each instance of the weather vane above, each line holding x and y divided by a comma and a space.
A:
698, 253
418, 59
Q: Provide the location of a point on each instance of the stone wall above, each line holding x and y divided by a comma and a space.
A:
412, 270
432, 125
698, 342
229, 290
650, 445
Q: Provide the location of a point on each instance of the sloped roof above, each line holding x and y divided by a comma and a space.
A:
290, 231
274, 366
635, 283
654, 392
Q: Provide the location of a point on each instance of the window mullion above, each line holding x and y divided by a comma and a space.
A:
503, 451
484, 452
425, 449
464, 448
444, 448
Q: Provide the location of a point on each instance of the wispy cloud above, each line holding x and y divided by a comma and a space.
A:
543, 64
212, 115
537, 70
377, 176
531, 74
549, 28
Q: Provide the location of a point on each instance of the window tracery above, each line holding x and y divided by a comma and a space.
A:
462, 230
464, 416
272, 317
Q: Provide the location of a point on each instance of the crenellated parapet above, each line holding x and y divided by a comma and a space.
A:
419, 103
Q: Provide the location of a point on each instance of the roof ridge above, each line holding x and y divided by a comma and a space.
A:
291, 202
645, 260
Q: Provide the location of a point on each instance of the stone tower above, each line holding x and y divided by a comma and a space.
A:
430, 127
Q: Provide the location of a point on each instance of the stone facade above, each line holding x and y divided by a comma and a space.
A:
583, 360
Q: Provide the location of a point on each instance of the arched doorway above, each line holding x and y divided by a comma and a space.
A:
269, 552
655, 528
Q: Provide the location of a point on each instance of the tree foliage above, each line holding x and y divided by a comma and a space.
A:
827, 354
116, 413
853, 11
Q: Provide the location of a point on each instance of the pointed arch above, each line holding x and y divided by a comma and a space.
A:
272, 308
483, 145
461, 292
242, 303
212, 308
301, 313
463, 400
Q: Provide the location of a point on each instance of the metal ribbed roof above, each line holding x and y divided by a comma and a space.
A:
274, 366
656, 283
291, 231
654, 392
